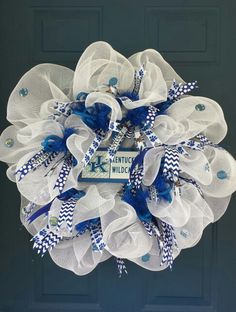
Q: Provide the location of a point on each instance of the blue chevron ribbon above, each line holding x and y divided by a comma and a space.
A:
45, 239
171, 163
66, 213
114, 146
67, 210
169, 242
171, 157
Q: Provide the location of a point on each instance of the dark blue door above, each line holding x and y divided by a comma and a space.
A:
198, 39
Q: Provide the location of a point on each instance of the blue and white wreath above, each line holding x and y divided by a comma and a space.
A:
178, 183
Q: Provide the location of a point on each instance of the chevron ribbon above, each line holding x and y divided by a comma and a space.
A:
121, 266
169, 241
45, 239
64, 173
171, 163
32, 163
148, 228
130, 133
66, 213
153, 230
50, 158
99, 136
171, 157
205, 141
115, 144
97, 237
177, 90
136, 178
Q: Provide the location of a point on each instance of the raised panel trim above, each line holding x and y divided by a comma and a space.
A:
208, 301
208, 19
52, 38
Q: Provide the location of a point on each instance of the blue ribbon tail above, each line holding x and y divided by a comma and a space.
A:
39, 212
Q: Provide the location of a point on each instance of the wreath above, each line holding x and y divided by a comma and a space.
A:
116, 159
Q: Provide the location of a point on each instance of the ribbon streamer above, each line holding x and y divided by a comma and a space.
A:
169, 242
64, 173
171, 157
33, 163
178, 90
45, 239
171, 164
138, 77
99, 137
113, 148
97, 236
121, 266
66, 214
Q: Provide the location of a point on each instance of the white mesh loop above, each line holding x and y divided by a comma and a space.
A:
123, 235
40, 84
141, 58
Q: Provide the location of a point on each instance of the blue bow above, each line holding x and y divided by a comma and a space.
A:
95, 117
54, 143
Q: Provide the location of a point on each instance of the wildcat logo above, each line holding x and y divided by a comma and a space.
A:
98, 165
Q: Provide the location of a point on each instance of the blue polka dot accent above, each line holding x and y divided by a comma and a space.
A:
184, 233
222, 175
200, 107
113, 81
146, 257
9, 142
23, 92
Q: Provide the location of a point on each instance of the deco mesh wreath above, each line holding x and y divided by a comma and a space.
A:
115, 159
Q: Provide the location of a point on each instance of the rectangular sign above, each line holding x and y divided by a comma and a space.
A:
101, 170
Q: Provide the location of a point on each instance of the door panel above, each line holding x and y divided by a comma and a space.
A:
197, 38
